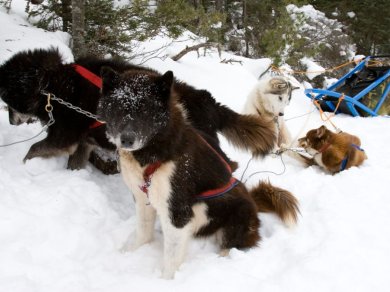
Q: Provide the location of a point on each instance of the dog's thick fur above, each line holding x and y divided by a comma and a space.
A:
147, 122
330, 149
268, 99
26, 74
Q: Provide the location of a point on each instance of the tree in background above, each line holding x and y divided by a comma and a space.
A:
111, 29
253, 28
367, 22
78, 28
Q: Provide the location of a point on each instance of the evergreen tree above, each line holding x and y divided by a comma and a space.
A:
367, 21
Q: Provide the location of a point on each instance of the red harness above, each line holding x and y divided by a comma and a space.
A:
90, 76
95, 80
152, 168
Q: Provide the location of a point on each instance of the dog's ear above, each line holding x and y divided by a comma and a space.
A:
321, 131
278, 83
165, 83
110, 79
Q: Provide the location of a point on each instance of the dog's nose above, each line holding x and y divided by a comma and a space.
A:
127, 140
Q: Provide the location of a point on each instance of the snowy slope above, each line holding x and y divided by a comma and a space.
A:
63, 230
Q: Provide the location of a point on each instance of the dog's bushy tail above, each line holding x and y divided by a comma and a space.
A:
248, 132
269, 198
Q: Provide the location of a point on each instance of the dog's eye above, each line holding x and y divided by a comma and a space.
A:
280, 98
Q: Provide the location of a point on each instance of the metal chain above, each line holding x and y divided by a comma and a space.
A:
292, 149
71, 106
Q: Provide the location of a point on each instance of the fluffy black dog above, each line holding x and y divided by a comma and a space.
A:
27, 75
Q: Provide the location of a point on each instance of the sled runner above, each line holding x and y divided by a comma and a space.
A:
364, 91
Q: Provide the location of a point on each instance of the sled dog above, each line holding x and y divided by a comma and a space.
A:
268, 99
175, 172
332, 151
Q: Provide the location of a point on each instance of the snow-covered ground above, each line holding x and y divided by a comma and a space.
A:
63, 230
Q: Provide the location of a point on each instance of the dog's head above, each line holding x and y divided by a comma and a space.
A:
135, 106
274, 95
315, 139
24, 75
16, 118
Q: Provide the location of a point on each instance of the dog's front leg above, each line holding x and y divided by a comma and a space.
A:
146, 217
175, 246
46, 149
79, 158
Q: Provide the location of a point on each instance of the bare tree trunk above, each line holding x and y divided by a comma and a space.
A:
244, 24
219, 5
78, 27
197, 3
66, 14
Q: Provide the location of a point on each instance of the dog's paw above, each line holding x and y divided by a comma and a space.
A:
168, 274
27, 157
133, 246
283, 146
126, 248
224, 252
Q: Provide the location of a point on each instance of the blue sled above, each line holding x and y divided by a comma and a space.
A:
352, 104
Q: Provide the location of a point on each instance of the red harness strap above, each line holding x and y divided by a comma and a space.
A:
152, 168
91, 77
148, 173
221, 190
96, 124
95, 80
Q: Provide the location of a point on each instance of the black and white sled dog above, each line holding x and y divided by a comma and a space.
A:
174, 170
268, 99
28, 75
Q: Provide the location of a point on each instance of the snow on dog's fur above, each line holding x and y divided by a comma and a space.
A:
146, 121
268, 99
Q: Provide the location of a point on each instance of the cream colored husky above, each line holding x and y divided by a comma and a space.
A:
268, 99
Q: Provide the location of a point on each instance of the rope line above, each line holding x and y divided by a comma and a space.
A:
331, 115
281, 70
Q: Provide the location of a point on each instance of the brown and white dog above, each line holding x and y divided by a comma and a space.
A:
269, 99
332, 151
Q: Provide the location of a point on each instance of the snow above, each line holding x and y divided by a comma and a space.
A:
63, 230
18, 35
313, 69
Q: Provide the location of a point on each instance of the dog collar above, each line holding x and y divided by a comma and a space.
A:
324, 148
147, 175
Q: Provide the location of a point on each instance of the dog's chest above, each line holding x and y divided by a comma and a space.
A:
317, 156
318, 160
157, 190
